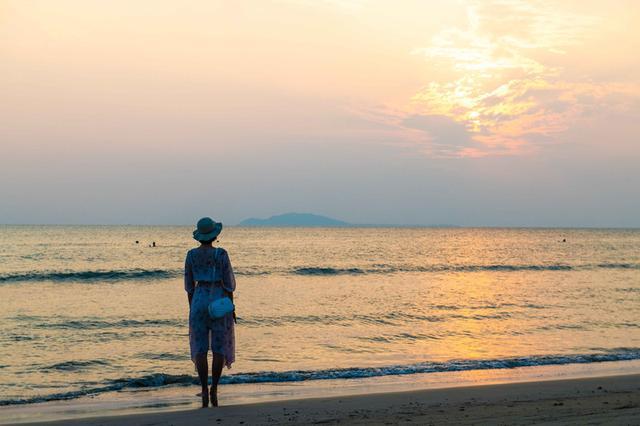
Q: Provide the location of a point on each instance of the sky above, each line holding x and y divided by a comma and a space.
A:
469, 112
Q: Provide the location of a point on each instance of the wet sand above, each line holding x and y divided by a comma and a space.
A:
601, 400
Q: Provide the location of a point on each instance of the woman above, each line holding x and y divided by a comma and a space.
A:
208, 276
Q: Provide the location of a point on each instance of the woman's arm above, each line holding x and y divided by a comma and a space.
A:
228, 279
189, 284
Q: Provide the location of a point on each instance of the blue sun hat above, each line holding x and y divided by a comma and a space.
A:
207, 229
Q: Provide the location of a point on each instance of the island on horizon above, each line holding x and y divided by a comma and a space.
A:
296, 219
315, 220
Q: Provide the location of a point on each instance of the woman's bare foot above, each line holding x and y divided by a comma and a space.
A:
214, 397
205, 398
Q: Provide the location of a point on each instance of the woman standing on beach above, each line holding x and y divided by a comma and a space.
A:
208, 276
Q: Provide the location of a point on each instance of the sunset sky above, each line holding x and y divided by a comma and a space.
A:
490, 113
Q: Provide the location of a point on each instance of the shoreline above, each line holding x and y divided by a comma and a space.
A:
168, 400
594, 400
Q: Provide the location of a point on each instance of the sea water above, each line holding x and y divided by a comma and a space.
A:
93, 310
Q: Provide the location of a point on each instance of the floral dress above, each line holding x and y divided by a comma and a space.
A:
208, 276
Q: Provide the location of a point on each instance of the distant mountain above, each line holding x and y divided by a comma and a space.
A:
295, 219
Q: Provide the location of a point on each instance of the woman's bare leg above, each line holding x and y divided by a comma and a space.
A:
203, 374
216, 371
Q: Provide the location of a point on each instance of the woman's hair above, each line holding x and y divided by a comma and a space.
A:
208, 241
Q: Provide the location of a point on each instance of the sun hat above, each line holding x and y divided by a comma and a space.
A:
207, 229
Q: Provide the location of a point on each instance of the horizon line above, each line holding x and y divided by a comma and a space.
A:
349, 225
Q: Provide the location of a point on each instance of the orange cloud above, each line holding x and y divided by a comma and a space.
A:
500, 88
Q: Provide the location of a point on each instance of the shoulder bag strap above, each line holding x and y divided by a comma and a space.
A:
215, 262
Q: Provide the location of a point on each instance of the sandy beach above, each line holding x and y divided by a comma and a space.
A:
600, 400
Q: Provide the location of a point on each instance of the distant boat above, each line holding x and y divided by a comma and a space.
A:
295, 219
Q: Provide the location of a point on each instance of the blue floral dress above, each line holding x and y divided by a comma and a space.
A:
212, 267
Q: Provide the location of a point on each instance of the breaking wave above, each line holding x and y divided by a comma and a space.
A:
159, 274
90, 276
159, 380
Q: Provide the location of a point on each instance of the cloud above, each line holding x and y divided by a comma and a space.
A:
446, 136
501, 85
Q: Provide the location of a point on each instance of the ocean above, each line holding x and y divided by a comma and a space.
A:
85, 310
